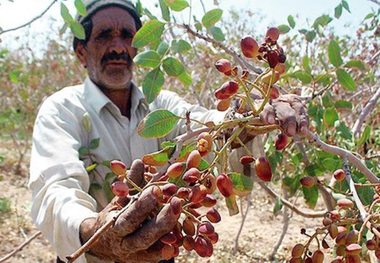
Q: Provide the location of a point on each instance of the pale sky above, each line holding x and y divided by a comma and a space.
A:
15, 13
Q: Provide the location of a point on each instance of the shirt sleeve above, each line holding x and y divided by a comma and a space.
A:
173, 102
58, 179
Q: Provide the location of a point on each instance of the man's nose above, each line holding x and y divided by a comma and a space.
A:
118, 46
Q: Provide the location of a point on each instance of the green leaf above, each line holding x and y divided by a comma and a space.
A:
311, 196
139, 8
152, 84
148, 58
291, 21
172, 66
322, 21
283, 29
162, 48
292, 183
164, 10
345, 5
242, 184
334, 53
303, 76
14, 76
94, 144
185, 78
277, 206
83, 151
212, 17
310, 35
345, 79
232, 206
331, 164
5, 205
65, 13
365, 136
110, 177
355, 64
330, 116
369, 15
343, 131
158, 158
324, 79
177, 5
217, 33
343, 104
78, 30
198, 26
150, 32
157, 124
306, 64
91, 167
180, 46
338, 11
108, 191
81, 8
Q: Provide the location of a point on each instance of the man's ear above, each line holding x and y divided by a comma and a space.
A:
81, 53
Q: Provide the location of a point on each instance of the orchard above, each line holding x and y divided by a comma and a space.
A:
328, 172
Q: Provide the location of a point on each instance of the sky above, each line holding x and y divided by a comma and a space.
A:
16, 12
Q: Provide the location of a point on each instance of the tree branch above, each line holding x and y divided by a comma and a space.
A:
20, 247
366, 110
375, 1
31, 21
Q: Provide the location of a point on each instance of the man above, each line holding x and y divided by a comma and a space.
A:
65, 208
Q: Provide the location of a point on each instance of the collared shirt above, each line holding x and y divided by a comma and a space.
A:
62, 197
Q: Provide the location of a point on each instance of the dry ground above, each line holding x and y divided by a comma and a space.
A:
260, 233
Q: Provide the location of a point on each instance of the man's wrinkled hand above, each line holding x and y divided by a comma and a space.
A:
289, 112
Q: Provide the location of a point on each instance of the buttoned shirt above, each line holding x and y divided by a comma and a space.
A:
60, 184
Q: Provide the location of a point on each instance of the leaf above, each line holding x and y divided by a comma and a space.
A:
162, 48
180, 46
311, 196
283, 29
365, 136
310, 36
152, 84
177, 5
217, 33
172, 66
151, 31
343, 104
306, 64
81, 8
158, 158
198, 26
322, 21
212, 17
148, 58
157, 124
324, 79
338, 11
277, 206
110, 177
66, 14
232, 206
330, 116
291, 21
78, 30
242, 184
303, 76
345, 79
343, 131
345, 5
83, 151
94, 144
355, 64
91, 167
139, 8
334, 53
185, 78
331, 164
108, 191
165, 12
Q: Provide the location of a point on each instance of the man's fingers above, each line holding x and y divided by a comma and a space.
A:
268, 115
153, 230
286, 117
152, 254
136, 173
137, 213
301, 115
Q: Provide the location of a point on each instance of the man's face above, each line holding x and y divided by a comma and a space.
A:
108, 53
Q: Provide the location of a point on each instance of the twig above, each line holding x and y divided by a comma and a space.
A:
20, 247
290, 205
285, 227
375, 1
375, 156
366, 110
243, 218
31, 21
343, 154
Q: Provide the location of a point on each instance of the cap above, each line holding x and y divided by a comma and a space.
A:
92, 6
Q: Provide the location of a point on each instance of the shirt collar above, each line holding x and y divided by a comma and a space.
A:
98, 100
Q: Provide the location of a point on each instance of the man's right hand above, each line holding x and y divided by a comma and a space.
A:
136, 233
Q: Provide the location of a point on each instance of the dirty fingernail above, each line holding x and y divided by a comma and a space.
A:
271, 119
291, 130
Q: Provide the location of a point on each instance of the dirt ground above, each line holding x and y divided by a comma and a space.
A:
258, 237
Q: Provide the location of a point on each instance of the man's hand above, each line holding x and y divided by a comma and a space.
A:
135, 234
289, 112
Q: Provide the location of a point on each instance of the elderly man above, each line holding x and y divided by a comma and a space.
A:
64, 207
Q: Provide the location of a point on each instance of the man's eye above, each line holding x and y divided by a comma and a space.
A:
104, 36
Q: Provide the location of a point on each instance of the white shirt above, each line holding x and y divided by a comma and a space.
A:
58, 179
